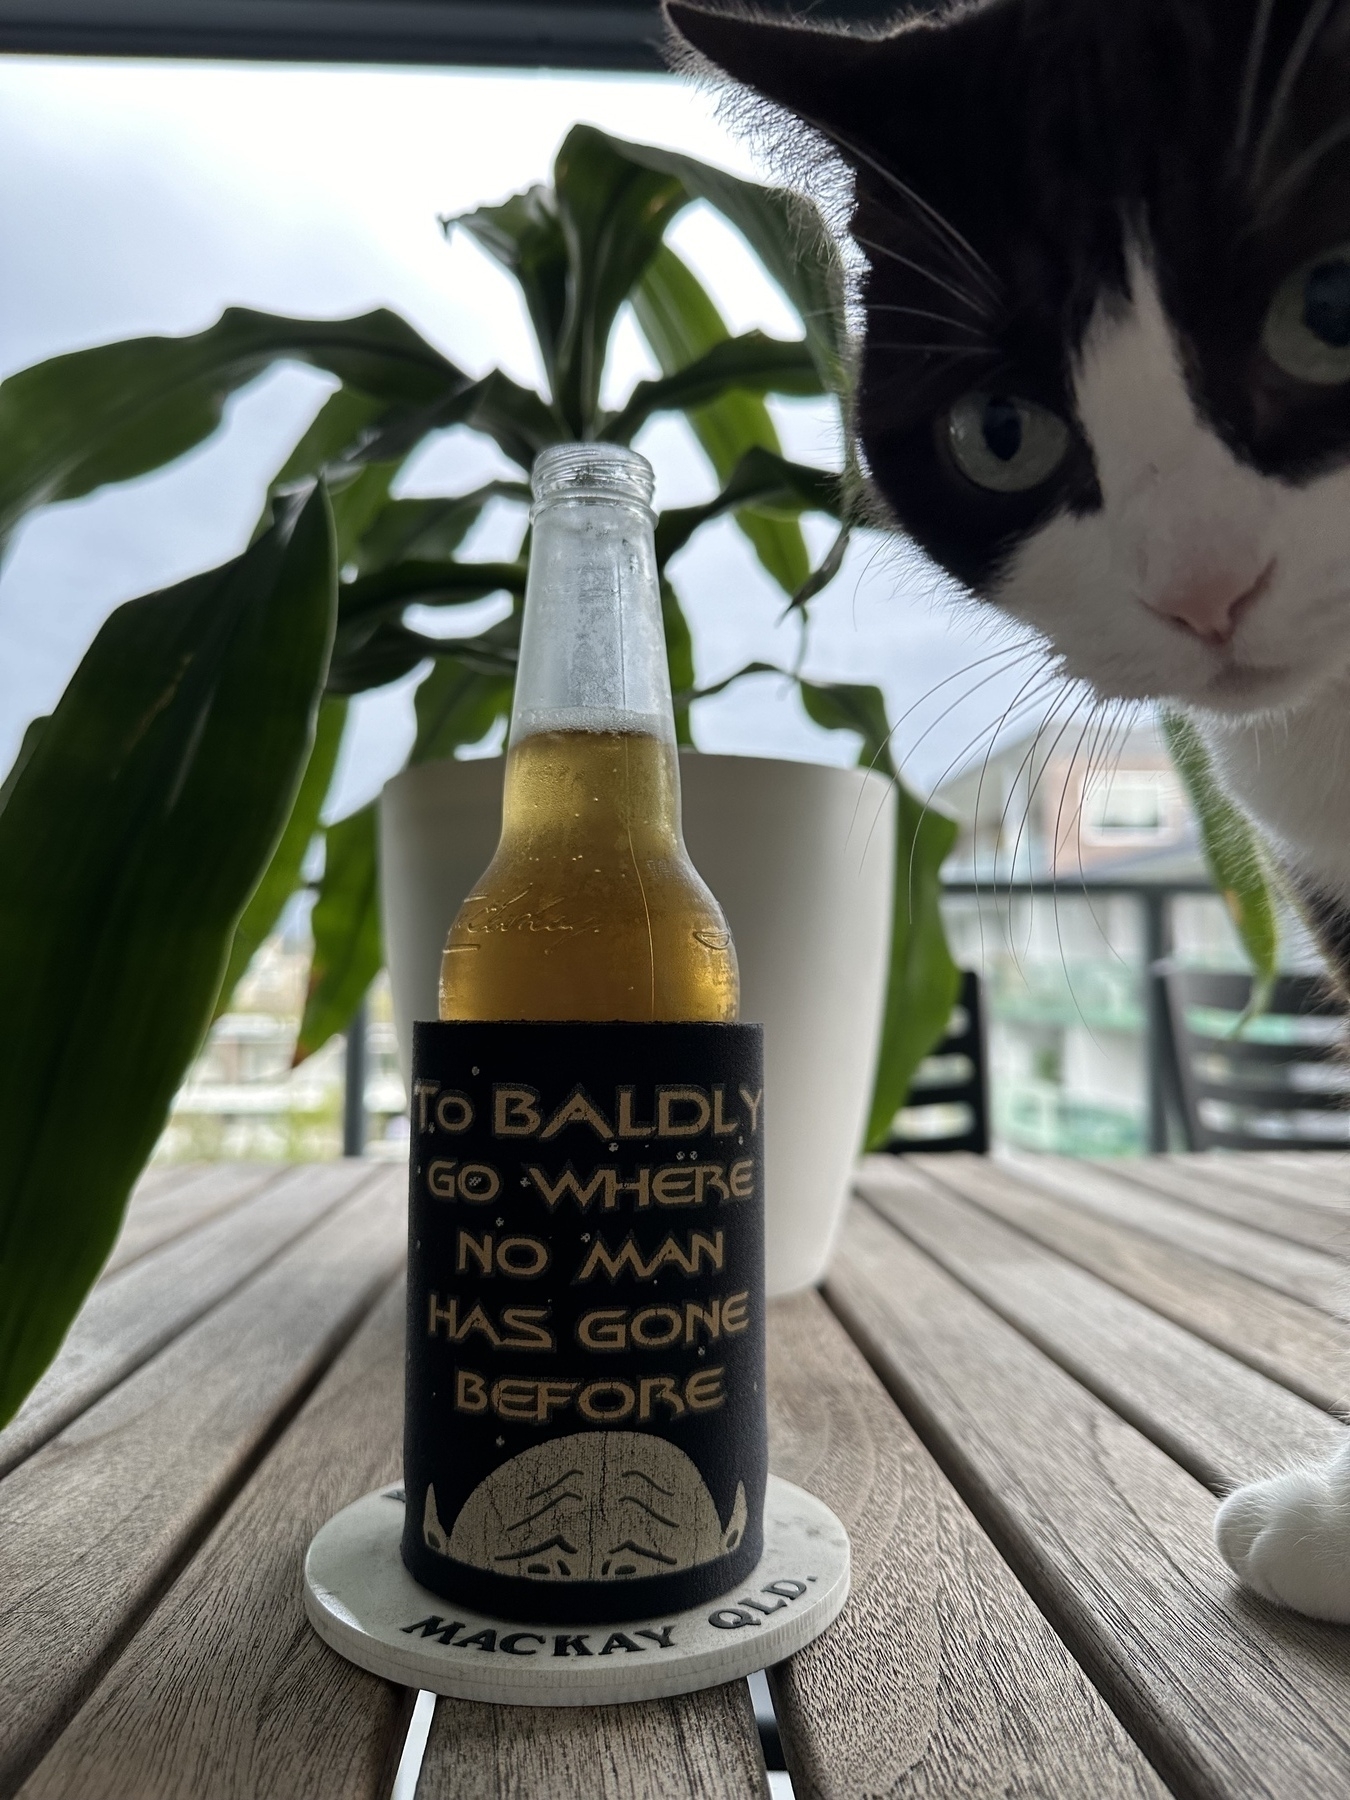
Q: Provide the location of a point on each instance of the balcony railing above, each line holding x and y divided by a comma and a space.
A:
1154, 901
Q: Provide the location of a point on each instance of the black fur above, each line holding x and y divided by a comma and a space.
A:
1004, 153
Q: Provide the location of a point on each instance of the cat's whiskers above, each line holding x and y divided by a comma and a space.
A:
912, 347
935, 221
977, 304
994, 733
922, 312
1038, 681
1319, 11
1251, 74
1065, 694
1295, 174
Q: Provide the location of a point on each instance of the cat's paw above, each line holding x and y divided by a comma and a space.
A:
1289, 1538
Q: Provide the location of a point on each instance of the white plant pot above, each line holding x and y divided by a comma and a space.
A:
801, 858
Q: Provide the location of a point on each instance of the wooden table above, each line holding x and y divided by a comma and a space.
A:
1021, 1389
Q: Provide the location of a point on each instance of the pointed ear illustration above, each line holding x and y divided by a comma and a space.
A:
433, 1532
735, 1530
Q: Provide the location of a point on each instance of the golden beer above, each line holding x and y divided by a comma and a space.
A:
591, 908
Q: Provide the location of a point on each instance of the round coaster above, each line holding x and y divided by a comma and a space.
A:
363, 1602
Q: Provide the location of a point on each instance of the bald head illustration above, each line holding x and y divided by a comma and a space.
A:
597, 1506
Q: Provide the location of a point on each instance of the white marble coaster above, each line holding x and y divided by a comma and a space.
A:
362, 1601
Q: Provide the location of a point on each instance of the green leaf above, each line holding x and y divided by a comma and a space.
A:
457, 705
790, 238
515, 418
759, 476
69, 425
428, 530
445, 583
333, 437
392, 650
346, 927
525, 235
1236, 856
613, 212
751, 363
680, 658
283, 874
128, 847
375, 656
677, 317
923, 981
27, 745
819, 579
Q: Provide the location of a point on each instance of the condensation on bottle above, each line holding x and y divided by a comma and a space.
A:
591, 908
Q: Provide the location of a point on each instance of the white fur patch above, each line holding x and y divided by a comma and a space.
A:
1179, 510
1289, 1538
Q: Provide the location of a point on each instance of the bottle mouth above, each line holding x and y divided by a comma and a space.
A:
591, 472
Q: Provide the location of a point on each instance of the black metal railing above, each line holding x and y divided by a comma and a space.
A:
1154, 900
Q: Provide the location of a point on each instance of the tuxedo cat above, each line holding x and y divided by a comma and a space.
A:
1105, 382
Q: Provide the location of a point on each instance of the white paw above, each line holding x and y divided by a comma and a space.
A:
1289, 1538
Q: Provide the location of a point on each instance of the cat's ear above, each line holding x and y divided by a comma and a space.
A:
822, 76
888, 95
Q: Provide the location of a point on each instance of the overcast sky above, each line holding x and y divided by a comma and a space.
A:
141, 197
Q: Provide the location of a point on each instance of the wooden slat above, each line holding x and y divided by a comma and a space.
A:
1229, 1696
940, 1677
1215, 1416
93, 1525
697, 1747
1214, 1190
225, 1691
131, 1315
159, 1212
1311, 1186
1308, 1275
1296, 1345
1306, 1173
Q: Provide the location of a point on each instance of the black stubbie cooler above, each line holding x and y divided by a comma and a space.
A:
585, 1431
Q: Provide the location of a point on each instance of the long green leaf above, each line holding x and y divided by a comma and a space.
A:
346, 927
1236, 856
284, 873
761, 477
676, 315
525, 235
679, 659
446, 583
457, 705
69, 425
923, 981
128, 847
428, 530
752, 363
613, 211
515, 418
788, 235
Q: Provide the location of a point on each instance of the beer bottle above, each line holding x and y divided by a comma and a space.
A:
591, 908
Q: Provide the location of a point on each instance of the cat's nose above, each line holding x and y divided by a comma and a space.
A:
1209, 606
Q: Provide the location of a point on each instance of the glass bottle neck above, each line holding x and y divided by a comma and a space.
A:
592, 651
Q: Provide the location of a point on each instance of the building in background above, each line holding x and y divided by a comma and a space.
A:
242, 1098
1064, 970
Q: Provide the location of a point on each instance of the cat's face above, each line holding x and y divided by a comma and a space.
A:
1106, 374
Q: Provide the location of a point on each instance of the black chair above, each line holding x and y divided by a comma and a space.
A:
1282, 1081
947, 1107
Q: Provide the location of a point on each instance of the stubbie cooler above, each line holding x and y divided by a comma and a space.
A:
585, 1432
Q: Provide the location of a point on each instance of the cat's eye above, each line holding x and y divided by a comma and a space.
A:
1307, 330
1005, 443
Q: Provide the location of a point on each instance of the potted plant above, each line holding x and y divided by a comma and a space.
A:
155, 825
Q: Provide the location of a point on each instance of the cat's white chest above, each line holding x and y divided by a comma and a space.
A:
1291, 773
